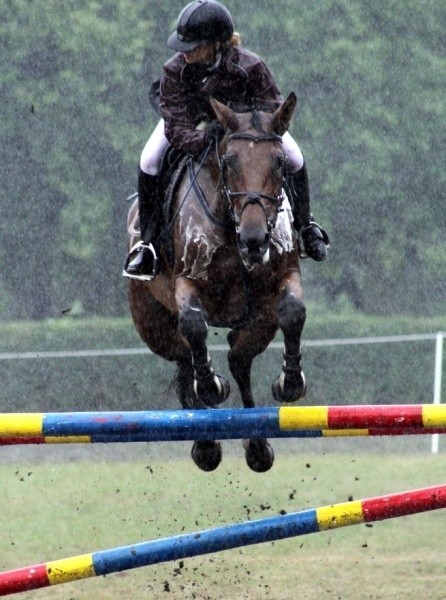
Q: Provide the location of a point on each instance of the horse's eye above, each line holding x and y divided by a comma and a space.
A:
278, 163
231, 162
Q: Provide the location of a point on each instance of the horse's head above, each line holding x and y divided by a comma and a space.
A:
252, 169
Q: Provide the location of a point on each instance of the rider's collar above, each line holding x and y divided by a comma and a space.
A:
199, 71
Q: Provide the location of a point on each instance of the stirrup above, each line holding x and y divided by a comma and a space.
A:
140, 247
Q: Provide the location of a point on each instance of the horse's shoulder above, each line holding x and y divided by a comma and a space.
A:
283, 236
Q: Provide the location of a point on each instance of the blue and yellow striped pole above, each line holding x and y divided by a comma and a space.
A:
222, 538
181, 425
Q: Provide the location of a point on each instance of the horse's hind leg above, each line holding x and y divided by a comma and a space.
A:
290, 385
156, 325
245, 346
158, 328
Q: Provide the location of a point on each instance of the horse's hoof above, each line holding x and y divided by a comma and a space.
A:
283, 391
259, 454
207, 454
212, 391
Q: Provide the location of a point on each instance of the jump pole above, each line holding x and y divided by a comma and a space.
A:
222, 538
149, 437
220, 424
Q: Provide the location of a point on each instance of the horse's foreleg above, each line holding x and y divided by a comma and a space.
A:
210, 388
290, 385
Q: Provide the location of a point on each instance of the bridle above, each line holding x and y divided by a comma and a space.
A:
252, 197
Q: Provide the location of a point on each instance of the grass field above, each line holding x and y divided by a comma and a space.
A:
60, 502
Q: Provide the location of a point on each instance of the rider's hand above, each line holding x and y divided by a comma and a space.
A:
214, 133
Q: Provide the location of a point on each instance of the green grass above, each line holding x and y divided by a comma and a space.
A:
59, 502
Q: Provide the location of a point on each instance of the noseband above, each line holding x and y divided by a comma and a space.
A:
252, 197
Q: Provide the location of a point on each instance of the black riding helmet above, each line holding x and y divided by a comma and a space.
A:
199, 22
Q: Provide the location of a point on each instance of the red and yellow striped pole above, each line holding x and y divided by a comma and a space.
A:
181, 425
223, 538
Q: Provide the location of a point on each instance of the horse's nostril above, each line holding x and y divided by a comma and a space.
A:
254, 244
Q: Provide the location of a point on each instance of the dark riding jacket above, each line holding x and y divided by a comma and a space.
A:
239, 79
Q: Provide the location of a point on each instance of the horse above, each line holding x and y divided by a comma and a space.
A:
234, 265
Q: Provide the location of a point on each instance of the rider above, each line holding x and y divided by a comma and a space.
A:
210, 63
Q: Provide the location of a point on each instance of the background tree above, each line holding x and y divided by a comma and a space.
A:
74, 118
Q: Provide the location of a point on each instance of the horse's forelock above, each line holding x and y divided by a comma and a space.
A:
257, 123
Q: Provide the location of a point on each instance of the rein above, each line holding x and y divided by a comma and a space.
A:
192, 184
202, 199
252, 197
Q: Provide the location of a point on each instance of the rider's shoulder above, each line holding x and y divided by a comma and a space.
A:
246, 58
174, 63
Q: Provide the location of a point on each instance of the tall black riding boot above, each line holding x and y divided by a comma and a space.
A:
314, 238
142, 261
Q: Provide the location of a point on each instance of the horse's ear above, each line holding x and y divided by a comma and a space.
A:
282, 117
225, 115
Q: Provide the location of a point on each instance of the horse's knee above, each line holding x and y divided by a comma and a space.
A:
193, 324
291, 312
290, 385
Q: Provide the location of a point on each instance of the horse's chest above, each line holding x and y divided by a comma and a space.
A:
200, 244
224, 299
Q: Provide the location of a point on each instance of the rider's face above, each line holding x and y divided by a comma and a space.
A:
203, 53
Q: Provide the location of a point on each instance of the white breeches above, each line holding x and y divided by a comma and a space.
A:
157, 144
292, 152
154, 151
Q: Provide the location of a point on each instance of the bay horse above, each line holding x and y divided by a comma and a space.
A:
235, 265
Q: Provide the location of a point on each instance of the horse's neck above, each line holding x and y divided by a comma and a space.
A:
209, 179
